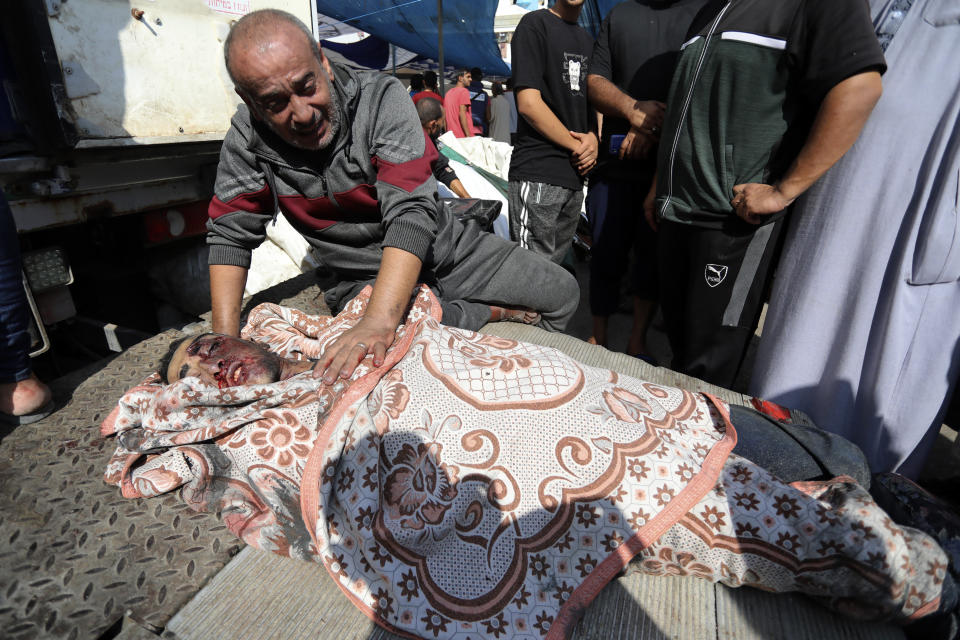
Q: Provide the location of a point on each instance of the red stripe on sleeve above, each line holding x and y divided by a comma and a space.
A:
407, 175
257, 202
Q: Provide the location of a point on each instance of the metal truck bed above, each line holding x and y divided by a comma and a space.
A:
79, 561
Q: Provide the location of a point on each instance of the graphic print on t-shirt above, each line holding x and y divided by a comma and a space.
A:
574, 72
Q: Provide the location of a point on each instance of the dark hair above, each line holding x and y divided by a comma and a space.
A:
429, 109
497, 89
476, 74
416, 82
168, 356
254, 21
430, 80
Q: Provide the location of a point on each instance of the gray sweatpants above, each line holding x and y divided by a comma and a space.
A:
487, 270
543, 217
524, 280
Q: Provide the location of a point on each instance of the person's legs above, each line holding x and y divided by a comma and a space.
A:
828, 540
726, 273
21, 393
457, 312
644, 282
567, 221
643, 310
527, 280
608, 257
795, 452
672, 266
535, 208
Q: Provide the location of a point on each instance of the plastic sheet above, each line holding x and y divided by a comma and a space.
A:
468, 39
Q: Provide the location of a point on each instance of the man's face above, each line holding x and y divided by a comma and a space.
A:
464, 79
224, 361
288, 88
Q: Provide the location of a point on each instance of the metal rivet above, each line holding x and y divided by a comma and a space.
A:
158, 22
181, 129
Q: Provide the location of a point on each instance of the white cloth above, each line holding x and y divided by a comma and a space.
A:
863, 329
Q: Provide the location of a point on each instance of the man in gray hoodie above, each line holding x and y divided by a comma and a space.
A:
342, 155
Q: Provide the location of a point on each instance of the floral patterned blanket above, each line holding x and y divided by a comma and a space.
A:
477, 486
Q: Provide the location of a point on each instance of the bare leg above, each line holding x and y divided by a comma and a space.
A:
642, 315
599, 331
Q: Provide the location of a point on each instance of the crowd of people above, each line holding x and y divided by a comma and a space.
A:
718, 117
693, 126
771, 99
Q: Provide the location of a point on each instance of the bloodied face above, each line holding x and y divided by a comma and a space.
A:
224, 361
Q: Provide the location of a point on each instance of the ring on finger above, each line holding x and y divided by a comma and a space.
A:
361, 344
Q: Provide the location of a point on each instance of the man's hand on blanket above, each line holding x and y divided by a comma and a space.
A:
375, 332
342, 357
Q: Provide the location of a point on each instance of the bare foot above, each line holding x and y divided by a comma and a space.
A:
24, 397
502, 314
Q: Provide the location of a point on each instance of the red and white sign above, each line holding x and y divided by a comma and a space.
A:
234, 7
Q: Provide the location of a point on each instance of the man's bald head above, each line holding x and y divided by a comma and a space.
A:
431, 116
279, 71
256, 31
429, 110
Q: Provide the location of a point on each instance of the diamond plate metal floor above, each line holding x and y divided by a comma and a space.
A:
78, 561
294, 600
75, 556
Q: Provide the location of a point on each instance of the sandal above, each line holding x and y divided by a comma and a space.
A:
515, 315
28, 418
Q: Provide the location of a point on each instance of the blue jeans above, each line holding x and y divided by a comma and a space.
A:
14, 314
795, 452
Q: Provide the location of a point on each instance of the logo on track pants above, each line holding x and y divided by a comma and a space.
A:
714, 274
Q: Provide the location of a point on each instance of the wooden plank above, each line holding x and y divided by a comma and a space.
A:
750, 614
263, 596
643, 607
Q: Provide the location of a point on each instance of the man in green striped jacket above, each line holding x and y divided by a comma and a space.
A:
766, 97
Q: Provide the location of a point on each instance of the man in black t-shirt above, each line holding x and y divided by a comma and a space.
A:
633, 61
556, 140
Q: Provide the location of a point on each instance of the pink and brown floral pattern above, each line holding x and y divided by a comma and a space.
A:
418, 488
469, 456
666, 563
279, 437
388, 399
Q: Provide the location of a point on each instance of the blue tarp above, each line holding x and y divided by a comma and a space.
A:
468, 39
371, 52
